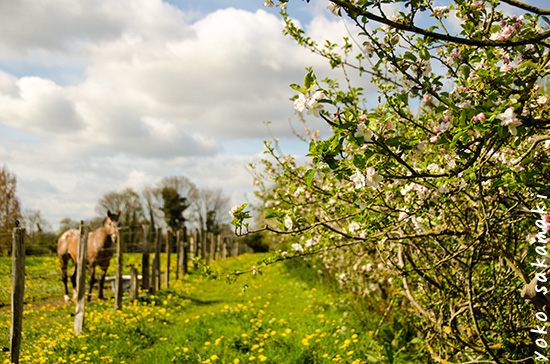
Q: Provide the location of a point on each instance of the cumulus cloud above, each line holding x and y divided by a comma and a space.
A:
161, 92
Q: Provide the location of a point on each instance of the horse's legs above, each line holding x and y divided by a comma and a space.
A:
92, 281
102, 273
73, 280
64, 260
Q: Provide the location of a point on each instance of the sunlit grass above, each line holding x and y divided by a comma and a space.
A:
279, 318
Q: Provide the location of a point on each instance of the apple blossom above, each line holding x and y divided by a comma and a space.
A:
363, 132
372, 178
508, 119
358, 179
300, 103
297, 247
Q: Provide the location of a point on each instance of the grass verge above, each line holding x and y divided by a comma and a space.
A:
284, 316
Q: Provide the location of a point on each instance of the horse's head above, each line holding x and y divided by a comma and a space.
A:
110, 224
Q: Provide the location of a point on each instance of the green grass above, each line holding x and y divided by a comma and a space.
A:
284, 316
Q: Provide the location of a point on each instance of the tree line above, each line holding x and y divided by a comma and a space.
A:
171, 203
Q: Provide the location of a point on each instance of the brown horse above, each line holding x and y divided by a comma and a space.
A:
99, 251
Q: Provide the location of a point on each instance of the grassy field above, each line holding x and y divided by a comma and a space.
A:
284, 316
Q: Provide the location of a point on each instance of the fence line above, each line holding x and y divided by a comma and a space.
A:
188, 246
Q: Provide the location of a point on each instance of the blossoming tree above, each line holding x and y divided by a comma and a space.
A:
425, 195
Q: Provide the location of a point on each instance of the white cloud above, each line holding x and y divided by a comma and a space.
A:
158, 96
37, 104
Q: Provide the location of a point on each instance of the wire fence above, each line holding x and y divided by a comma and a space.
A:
42, 266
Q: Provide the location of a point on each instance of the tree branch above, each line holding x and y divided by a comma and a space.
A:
531, 8
439, 36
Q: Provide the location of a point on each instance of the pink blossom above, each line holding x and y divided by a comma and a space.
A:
479, 117
434, 139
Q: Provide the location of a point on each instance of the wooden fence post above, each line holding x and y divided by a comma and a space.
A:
118, 274
224, 248
203, 245
219, 247
235, 250
134, 293
184, 251
18, 291
211, 246
179, 252
156, 261
145, 259
80, 278
153, 286
168, 253
192, 247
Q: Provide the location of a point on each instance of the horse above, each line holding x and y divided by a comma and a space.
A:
99, 252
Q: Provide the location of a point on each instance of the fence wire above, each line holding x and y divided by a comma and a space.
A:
42, 267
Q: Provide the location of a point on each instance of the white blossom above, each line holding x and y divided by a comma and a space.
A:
508, 119
358, 179
300, 103
363, 131
288, 223
297, 247
373, 178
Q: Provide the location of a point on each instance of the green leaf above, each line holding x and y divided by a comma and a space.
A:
271, 215
308, 177
359, 161
309, 80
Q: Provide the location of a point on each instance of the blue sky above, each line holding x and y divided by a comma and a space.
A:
99, 96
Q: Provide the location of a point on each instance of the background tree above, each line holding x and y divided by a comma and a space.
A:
66, 224
210, 207
40, 238
425, 192
174, 206
185, 189
10, 209
128, 202
151, 197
